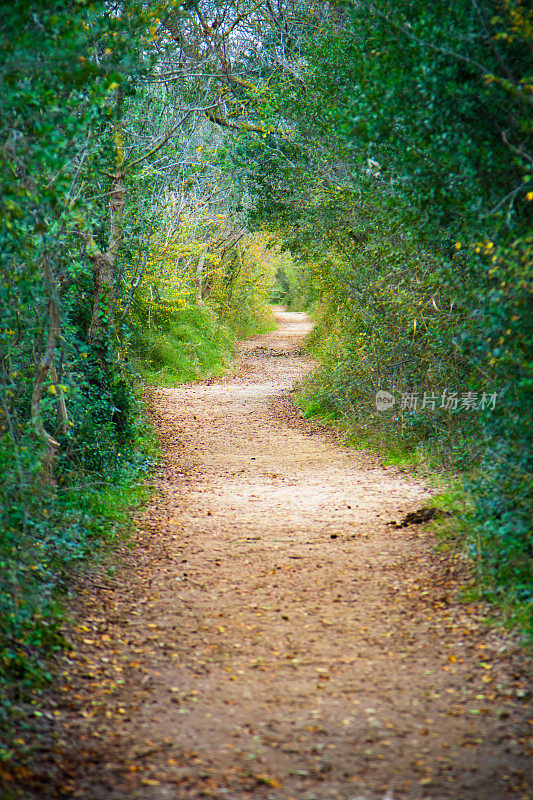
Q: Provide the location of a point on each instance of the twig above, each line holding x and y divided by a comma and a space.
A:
167, 136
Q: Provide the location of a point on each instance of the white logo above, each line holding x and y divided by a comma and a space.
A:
384, 400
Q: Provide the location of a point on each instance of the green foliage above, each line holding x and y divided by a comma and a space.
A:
411, 231
70, 424
172, 345
183, 320
37, 572
241, 293
45, 537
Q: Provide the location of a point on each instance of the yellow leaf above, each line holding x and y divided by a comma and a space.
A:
268, 780
150, 782
52, 389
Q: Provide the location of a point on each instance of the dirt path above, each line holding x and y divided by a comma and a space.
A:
271, 635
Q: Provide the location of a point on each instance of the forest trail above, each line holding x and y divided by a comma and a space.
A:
272, 635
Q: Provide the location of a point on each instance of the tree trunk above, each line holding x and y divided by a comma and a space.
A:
102, 319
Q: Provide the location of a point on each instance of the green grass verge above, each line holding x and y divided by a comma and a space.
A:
191, 343
183, 345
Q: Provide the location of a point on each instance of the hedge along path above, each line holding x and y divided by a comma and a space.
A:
271, 635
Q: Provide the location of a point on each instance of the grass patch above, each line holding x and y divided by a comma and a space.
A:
243, 321
180, 345
459, 533
177, 345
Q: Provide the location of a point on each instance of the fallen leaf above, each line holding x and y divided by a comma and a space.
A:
268, 780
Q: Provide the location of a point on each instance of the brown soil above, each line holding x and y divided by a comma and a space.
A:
272, 635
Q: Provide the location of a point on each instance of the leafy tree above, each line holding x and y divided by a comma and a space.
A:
67, 415
404, 192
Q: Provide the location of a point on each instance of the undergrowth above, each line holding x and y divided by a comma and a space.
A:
171, 344
175, 344
49, 536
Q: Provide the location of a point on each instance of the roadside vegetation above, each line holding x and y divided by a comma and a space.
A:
168, 169
411, 226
